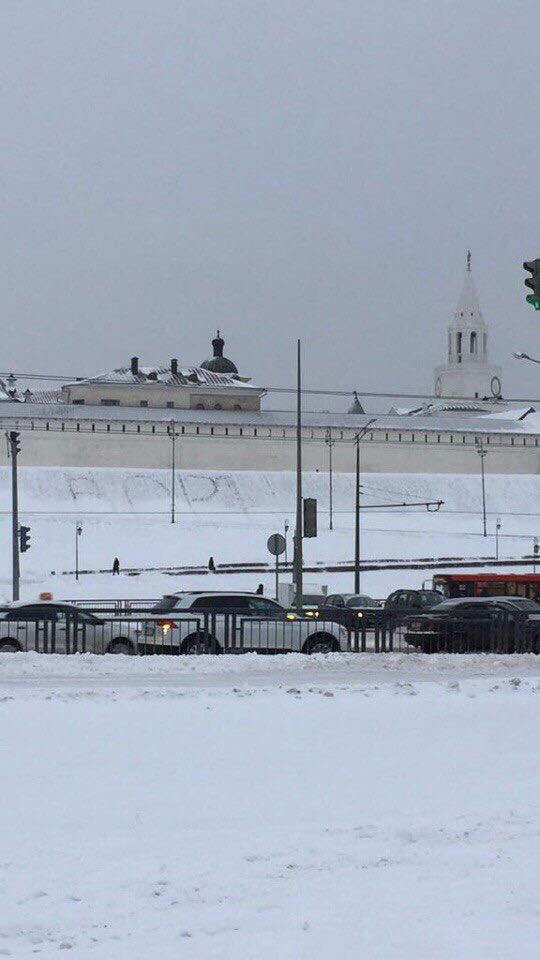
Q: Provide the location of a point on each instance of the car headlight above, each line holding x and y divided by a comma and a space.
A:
359, 614
290, 616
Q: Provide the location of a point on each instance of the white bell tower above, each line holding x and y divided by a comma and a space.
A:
467, 372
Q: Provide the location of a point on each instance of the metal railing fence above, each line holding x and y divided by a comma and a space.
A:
231, 633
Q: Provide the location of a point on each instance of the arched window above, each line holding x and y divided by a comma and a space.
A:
459, 339
473, 342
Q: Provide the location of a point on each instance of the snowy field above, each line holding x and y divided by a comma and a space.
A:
291, 807
378, 806
229, 516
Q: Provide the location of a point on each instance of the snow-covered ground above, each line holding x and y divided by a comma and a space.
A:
291, 807
258, 807
229, 516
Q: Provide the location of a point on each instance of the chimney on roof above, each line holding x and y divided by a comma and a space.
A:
174, 366
134, 364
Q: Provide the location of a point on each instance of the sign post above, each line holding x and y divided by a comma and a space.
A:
276, 544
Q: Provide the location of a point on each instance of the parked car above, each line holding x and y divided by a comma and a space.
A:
401, 603
51, 627
236, 621
505, 624
351, 609
310, 603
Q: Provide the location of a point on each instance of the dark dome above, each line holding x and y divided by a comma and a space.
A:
219, 363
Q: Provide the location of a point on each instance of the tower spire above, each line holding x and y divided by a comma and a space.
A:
469, 261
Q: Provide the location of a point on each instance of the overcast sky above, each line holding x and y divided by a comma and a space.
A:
272, 168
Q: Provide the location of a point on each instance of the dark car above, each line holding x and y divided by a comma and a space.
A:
477, 624
51, 627
351, 609
401, 603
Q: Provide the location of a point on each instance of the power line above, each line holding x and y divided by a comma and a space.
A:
306, 391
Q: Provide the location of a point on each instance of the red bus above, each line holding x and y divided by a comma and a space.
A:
488, 585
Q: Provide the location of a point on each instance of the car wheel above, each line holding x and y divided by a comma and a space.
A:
198, 643
9, 646
320, 643
121, 645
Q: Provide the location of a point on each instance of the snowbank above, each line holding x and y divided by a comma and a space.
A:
316, 819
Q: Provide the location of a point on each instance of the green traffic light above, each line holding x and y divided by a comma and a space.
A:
534, 300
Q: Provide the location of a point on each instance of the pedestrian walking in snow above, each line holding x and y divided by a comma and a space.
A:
260, 590
116, 566
211, 565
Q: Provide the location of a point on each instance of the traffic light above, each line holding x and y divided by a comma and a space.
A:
24, 538
533, 282
15, 442
310, 517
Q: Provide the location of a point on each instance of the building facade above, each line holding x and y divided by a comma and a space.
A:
129, 418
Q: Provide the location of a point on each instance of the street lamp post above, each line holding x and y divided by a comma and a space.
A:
330, 443
78, 531
497, 528
286, 530
481, 451
525, 356
173, 470
361, 433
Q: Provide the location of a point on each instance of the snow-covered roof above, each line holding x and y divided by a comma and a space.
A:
513, 414
449, 406
480, 423
161, 373
5, 396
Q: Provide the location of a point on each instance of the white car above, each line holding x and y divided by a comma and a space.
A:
232, 622
50, 627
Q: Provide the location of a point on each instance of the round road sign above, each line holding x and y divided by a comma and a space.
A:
276, 544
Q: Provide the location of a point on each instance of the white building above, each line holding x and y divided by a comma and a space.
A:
467, 371
127, 418
214, 385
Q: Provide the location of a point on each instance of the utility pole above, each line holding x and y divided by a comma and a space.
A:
361, 433
482, 454
328, 440
357, 519
298, 552
173, 471
14, 447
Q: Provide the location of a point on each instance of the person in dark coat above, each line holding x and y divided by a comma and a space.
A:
116, 566
260, 590
211, 564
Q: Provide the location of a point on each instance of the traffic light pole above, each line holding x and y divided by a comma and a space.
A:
14, 449
298, 533
361, 433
